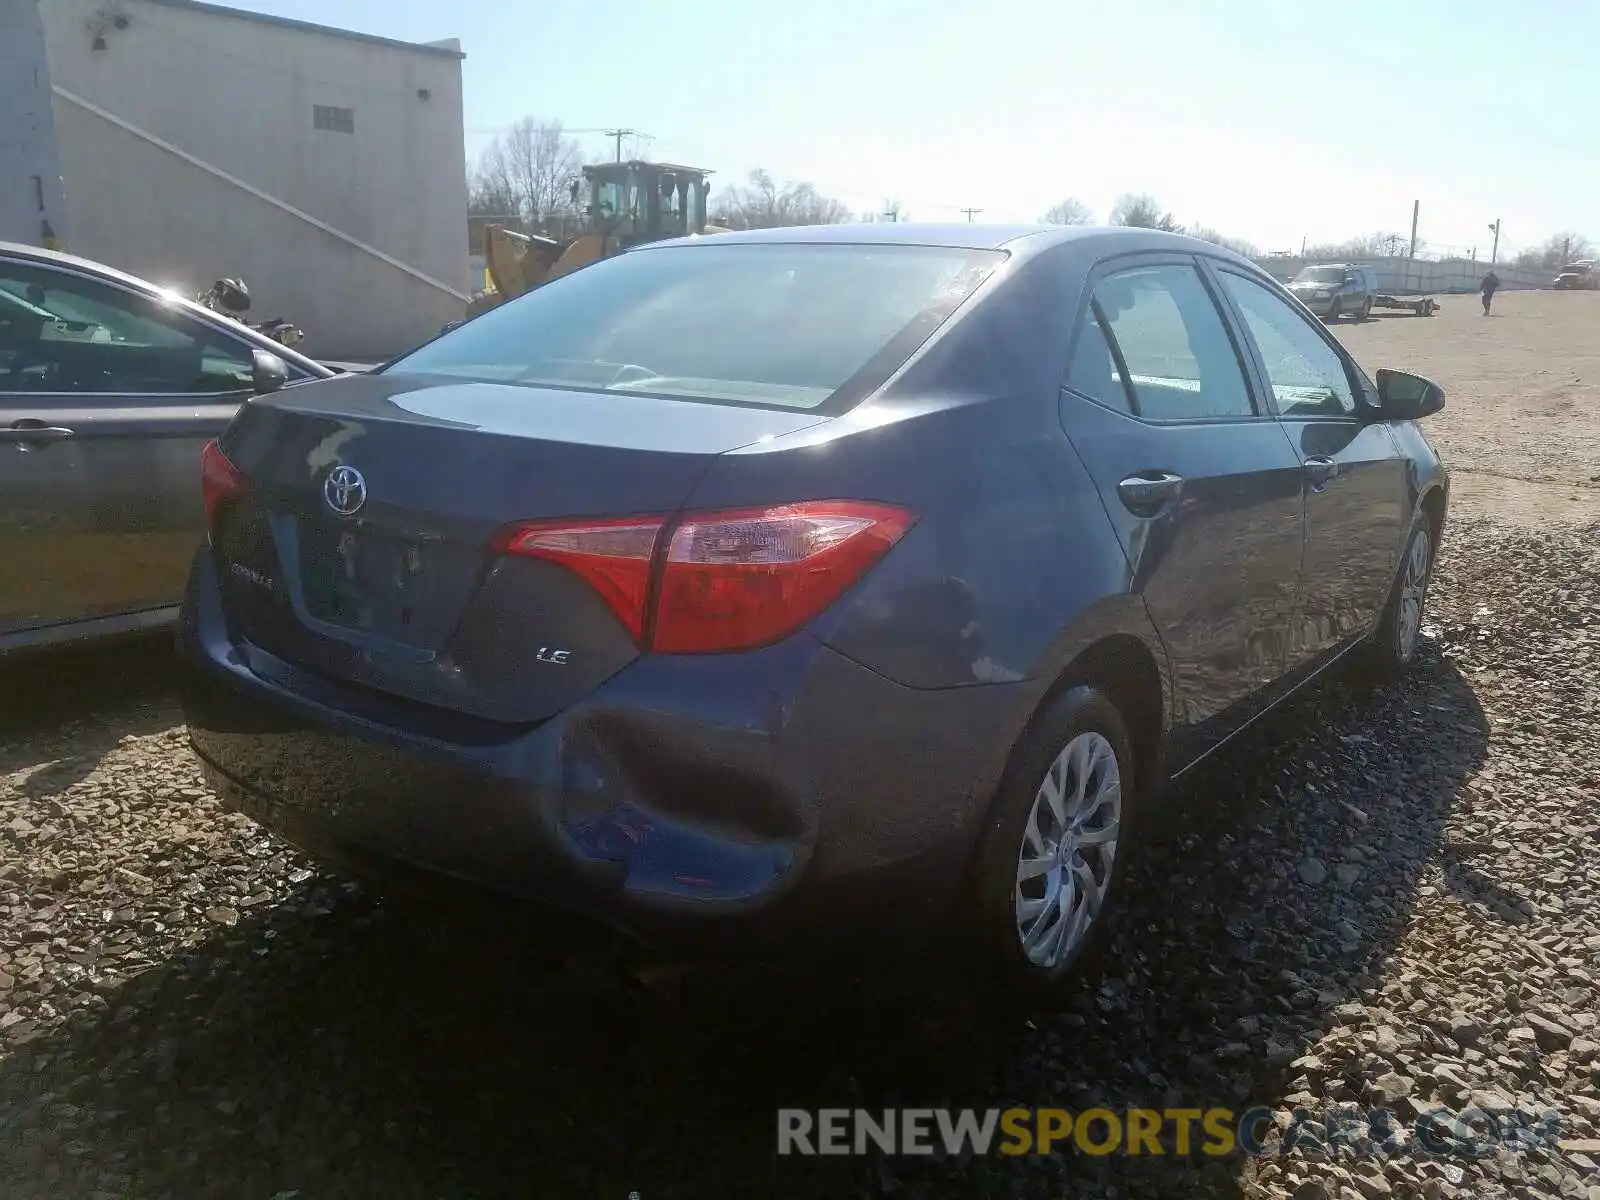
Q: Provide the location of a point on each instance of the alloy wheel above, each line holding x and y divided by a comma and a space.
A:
1413, 593
1069, 848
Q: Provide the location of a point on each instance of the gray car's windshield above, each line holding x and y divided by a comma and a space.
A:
765, 324
1320, 275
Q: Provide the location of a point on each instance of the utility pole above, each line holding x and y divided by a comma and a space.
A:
1566, 250
619, 134
1494, 251
971, 212
1416, 209
1302, 245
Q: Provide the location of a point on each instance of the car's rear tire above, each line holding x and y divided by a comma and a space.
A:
1399, 633
1366, 310
1050, 861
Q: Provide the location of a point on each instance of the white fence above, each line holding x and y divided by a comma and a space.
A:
1415, 276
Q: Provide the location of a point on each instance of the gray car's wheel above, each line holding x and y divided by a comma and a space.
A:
1395, 643
1049, 862
1366, 309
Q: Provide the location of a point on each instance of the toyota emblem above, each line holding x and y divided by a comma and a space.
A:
344, 490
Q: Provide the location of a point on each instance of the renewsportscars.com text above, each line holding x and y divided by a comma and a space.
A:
1141, 1131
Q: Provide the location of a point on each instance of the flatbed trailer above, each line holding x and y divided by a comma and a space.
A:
1422, 306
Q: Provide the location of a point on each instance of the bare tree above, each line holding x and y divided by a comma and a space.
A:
1142, 212
1374, 245
891, 213
490, 195
1237, 245
533, 165
1561, 249
762, 204
1070, 211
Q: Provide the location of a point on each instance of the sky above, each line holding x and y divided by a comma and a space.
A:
1272, 120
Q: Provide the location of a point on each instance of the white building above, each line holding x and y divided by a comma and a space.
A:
324, 167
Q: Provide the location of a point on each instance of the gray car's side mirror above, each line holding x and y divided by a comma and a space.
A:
1403, 396
269, 372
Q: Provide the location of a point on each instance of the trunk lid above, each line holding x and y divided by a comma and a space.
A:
364, 547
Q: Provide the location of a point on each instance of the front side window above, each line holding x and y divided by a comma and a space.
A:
767, 325
63, 333
1307, 376
1161, 323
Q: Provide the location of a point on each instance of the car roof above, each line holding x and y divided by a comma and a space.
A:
1022, 240
89, 266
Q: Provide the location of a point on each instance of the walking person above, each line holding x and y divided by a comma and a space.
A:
1490, 285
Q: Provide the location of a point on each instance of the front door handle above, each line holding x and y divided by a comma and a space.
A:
1148, 492
1321, 470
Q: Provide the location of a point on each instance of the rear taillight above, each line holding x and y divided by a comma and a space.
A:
720, 581
731, 580
220, 481
613, 557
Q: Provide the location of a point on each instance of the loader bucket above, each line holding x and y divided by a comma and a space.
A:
591, 247
517, 261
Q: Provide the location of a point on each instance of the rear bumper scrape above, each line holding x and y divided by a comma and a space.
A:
752, 791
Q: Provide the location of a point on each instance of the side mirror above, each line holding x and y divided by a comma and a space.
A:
269, 373
1407, 397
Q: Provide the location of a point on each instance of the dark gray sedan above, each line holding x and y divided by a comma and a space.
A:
793, 584
109, 388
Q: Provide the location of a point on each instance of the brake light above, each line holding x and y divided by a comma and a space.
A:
220, 481
730, 580
733, 580
613, 557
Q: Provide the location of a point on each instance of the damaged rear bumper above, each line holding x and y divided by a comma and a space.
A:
730, 798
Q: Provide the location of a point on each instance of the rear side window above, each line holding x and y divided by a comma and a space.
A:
766, 325
1307, 376
1162, 325
1094, 372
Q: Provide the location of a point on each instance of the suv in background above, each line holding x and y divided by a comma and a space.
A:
1332, 290
1578, 276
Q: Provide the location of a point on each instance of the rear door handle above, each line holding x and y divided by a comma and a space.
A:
1321, 470
1148, 492
29, 432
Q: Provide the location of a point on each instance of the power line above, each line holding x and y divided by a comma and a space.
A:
619, 134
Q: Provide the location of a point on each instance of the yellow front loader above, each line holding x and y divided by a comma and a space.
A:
626, 204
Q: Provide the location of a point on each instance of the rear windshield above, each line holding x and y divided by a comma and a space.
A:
1320, 275
761, 325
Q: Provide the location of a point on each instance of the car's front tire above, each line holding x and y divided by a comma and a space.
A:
1399, 633
1051, 858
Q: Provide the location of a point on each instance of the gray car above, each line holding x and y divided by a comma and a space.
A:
1333, 290
109, 389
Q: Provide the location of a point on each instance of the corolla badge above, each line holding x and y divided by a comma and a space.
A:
344, 490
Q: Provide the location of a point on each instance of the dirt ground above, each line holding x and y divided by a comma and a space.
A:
1521, 426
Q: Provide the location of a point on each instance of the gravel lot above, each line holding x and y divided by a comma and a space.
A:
1383, 896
